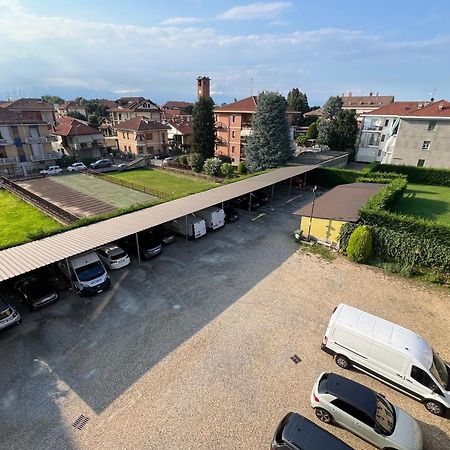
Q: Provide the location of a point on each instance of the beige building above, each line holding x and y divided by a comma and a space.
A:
130, 107
70, 107
33, 109
142, 136
362, 104
25, 144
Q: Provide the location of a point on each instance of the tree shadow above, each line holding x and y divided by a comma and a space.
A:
433, 437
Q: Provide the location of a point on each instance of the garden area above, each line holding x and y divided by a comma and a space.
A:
19, 220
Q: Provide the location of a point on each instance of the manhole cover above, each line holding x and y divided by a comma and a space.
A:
80, 422
296, 359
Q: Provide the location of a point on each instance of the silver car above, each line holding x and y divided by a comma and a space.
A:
8, 314
364, 412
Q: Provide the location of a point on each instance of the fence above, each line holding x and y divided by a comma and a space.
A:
60, 214
186, 170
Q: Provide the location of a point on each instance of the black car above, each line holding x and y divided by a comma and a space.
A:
150, 244
36, 291
297, 432
262, 197
231, 215
166, 235
248, 202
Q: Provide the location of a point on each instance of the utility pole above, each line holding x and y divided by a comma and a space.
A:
312, 211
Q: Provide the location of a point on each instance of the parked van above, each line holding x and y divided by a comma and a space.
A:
390, 353
214, 217
192, 227
87, 273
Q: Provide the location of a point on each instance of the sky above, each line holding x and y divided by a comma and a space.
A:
154, 49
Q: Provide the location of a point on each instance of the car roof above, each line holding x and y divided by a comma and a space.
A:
351, 392
305, 434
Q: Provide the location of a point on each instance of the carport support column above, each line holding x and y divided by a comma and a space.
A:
186, 227
250, 201
290, 186
273, 188
137, 249
69, 274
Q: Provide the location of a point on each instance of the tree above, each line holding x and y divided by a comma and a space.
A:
298, 101
53, 99
94, 107
94, 120
332, 107
203, 128
77, 115
270, 143
196, 162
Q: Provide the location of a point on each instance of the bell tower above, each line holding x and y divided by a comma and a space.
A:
203, 87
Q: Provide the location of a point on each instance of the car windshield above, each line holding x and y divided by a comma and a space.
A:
439, 371
90, 271
118, 256
385, 416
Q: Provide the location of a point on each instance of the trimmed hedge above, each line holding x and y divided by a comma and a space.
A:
359, 246
418, 175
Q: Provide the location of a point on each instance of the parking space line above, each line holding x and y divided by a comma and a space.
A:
257, 217
294, 198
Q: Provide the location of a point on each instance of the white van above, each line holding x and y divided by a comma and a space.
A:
390, 353
214, 217
192, 227
87, 273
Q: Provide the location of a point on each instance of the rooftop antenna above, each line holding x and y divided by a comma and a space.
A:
251, 86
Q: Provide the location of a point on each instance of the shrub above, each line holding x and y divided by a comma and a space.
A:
196, 162
227, 169
184, 160
225, 158
344, 235
241, 168
419, 175
359, 246
301, 140
212, 167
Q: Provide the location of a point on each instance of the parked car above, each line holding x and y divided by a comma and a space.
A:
390, 353
297, 432
76, 167
364, 412
52, 170
231, 215
36, 291
166, 235
248, 202
168, 160
262, 196
9, 316
113, 257
100, 164
150, 244
122, 166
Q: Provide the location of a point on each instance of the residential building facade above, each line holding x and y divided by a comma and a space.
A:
33, 109
142, 136
130, 107
180, 133
362, 104
70, 107
25, 144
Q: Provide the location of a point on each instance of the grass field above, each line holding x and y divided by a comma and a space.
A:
18, 220
166, 182
430, 202
119, 196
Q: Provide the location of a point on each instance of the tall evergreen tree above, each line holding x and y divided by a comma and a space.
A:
270, 143
298, 100
203, 128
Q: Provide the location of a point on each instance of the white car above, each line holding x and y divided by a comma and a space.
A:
76, 167
52, 170
113, 256
369, 415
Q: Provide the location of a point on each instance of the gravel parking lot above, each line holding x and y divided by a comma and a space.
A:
191, 350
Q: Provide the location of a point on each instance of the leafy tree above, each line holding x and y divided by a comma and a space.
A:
94, 120
203, 128
298, 101
77, 115
212, 167
332, 107
270, 143
196, 162
241, 168
53, 99
94, 107
312, 130
227, 169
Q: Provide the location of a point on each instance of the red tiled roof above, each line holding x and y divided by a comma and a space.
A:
440, 108
183, 126
70, 104
245, 105
140, 124
171, 104
395, 109
8, 117
68, 126
376, 101
169, 114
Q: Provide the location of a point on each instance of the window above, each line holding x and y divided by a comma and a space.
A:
233, 118
432, 125
423, 378
354, 412
150, 149
420, 163
386, 122
426, 145
128, 135
380, 152
383, 137
123, 134
149, 136
233, 134
232, 149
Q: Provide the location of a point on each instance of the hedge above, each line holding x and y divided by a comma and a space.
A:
418, 175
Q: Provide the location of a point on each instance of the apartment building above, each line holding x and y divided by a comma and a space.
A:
33, 109
127, 108
25, 144
179, 132
363, 104
70, 107
142, 136
234, 126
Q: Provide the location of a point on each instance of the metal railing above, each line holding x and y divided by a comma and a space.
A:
46, 156
13, 160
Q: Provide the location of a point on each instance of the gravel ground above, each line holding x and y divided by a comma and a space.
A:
192, 350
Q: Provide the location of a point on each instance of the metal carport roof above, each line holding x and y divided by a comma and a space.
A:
33, 255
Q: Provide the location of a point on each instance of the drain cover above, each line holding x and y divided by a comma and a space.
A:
80, 422
296, 359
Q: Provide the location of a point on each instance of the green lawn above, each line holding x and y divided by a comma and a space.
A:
18, 220
166, 182
430, 202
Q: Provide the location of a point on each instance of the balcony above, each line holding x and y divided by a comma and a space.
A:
220, 125
372, 128
46, 156
245, 132
40, 139
6, 142
4, 161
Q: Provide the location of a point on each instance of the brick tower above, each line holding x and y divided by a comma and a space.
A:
203, 87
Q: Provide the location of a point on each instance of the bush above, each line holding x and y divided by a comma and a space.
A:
419, 175
359, 246
344, 235
212, 167
184, 160
225, 158
301, 140
227, 169
196, 161
241, 168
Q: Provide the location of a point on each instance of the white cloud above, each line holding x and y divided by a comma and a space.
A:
127, 91
175, 21
259, 10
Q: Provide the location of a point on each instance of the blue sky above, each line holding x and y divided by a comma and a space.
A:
156, 49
